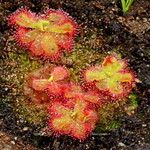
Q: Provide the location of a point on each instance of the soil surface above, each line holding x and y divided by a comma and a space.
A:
104, 28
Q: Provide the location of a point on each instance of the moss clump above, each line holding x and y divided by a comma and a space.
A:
78, 59
16, 67
132, 104
20, 65
111, 125
34, 114
109, 115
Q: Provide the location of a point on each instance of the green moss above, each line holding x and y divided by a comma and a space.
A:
111, 125
132, 104
17, 67
111, 113
34, 114
133, 100
109, 116
79, 58
20, 65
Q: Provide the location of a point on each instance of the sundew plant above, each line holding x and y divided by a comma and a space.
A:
71, 107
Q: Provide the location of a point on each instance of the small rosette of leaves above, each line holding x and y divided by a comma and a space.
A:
112, 77
73, 118
47, 78
45, 34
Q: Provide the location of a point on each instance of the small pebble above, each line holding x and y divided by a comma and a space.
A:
6, 89
25, 129
12, 142
15, 138
144, 125
121, 144
87, 146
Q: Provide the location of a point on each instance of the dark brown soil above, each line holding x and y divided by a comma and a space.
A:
129, 34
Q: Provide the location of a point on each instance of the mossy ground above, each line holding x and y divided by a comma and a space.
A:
111, 114
19, 63
17, 66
